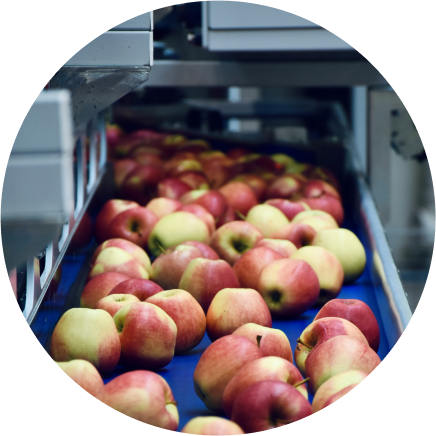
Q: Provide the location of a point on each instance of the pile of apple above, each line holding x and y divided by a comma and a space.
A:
205, 242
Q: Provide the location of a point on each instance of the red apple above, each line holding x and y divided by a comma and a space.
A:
186, 313
122, 168
265, 368
82, 235
233, 239
328, 204
239, 196
147, 336
289, 287
299, 234
172, 188
228, 216
269, 404
247, 268
256, 183
284, 247
232, 308
162, 206
218, 365
207, 252
357, 312
211, 425
114, 302
143, 395
175, 167
99, 287
289, 208
320, 188
140, 288
195, 179
284, 187
204, 278
144, 156
213, 201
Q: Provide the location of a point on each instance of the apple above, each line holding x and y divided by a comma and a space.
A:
176, 228
140, 288
345, 245
265, 368
172, 188
323, 174
285, 160
107, 213
143, 395
233, 239
256, 183
329, 204
207, 252
239, 196
228, 216
140, 185
122, 167
99, 287
247, 268
328, 269
88, 334
335, 385
213, 201
289, 208
188, 315
84, 374
204, 278
283, 246
162, 206
321, 331
113, 134
114, 302
284, 187
211, 425
268, 219
289, 287
232, 308
220, 171
320, 188
114, 259
145, 156
175, 167
195, 179
168, 267
357, 312
135, 250
302, 216
318, 223
237, 152
202, 213
300, 234
195, 145
147, 336
272, 342
218, 365
82, 235
339, 354
269, 404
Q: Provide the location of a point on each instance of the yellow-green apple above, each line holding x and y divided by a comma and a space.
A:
269, 404
180, 165
84, 374
233, 307
114, 259
140, 288
265, 368
202, 213
134, 225
326, 203
176, 228
247, 268
328, 269
335, 385
212, 200
195, 179
143, 395
321, 331
188, 315
339, 354
140, 185
122, 168
162, 206
172, 188
99, 287
272, 342
168, 267
338, 395
204, 278
218, 365
147, 336
114, 302
299, 234
318, 224
239, 196
284, 159
255, 182
88, 334
283, 246
284, 187
345, 245
232, 240
357, 312
135, 250
305, 214
288, 286
319, 188
289, 208
211, 425
207, 252
268, 219
107, 213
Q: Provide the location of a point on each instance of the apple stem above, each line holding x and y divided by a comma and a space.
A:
258, 338
299, 341
173, 402
160, 247
240, 215
301, 382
